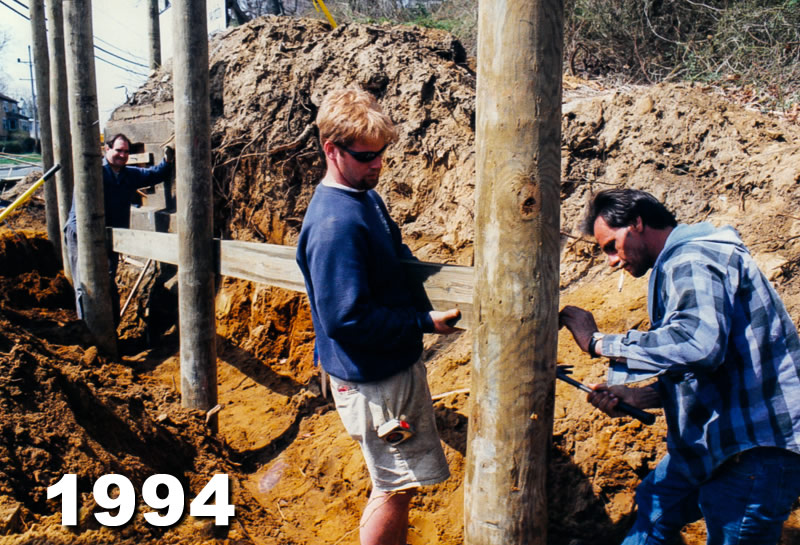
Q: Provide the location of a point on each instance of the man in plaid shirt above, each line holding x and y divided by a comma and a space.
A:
727, 358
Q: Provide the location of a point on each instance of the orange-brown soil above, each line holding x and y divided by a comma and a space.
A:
296, 476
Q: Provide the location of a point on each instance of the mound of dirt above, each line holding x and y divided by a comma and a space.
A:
267, 79
66, 410
301, 479
706, 158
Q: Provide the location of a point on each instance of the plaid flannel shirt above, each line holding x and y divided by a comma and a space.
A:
724, 348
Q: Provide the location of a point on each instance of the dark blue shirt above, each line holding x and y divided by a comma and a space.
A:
367, 324
119, 190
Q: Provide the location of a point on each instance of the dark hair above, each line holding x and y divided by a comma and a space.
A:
621, 207
110, 142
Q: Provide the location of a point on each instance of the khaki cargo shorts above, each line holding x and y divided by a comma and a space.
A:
363, 407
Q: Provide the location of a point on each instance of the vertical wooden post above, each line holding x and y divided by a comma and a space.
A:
59, 118
41, 63
516, 271
154, 34
196, 265
87, 160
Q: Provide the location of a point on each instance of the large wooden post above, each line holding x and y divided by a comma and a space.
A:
59, 118
516, 271
196, 266
87, 160
41, 63
154, 34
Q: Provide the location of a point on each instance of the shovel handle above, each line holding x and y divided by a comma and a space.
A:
637, 413
643, 416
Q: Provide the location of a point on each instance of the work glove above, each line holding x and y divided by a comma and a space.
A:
169, 154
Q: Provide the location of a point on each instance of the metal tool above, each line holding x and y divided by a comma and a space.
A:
562, 373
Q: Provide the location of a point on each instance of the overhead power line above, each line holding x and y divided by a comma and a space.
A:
120, 58
118, 66
2, 2
15, 11
113, 46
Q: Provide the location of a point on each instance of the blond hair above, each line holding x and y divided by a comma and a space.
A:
347, 115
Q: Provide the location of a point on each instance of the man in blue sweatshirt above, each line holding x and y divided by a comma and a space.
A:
727, 360
368, 329
120, 183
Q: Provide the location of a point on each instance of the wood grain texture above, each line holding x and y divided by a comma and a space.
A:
444, 286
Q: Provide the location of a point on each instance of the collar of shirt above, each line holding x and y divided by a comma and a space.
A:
331, 183
114, 174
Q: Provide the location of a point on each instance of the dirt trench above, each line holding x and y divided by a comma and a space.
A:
297, 477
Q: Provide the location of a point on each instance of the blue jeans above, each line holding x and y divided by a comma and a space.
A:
745, 502
71, 240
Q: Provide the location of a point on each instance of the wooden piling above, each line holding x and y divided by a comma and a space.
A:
518, 135
59, 118
87, 162
41, 65
196, 264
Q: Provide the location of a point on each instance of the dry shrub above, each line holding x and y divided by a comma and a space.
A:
747, 42
750, 45
459, 17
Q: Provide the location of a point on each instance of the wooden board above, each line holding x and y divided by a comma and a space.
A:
445, 286
265, 263
161, 247
140, 159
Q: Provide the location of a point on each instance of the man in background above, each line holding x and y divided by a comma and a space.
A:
368, 329
727, 358
120, 183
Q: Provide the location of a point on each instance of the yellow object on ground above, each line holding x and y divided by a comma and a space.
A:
25, 196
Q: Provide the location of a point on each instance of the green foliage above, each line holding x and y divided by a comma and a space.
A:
459, 17
428, 21
22, 145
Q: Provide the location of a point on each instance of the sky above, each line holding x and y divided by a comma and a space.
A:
119, 27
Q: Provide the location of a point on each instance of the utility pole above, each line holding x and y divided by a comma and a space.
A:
59, 118
87, 161
29, 62
42, 65
518, 140
154, 34
196, 264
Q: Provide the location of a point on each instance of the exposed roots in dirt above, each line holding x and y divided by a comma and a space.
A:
297, 477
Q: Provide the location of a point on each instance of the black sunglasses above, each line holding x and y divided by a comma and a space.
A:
363, 156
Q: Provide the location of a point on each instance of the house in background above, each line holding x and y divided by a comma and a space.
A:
28, 110
14, 124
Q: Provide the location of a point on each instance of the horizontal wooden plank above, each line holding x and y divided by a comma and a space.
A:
265, 263
445, 286
140, 159
161, 247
